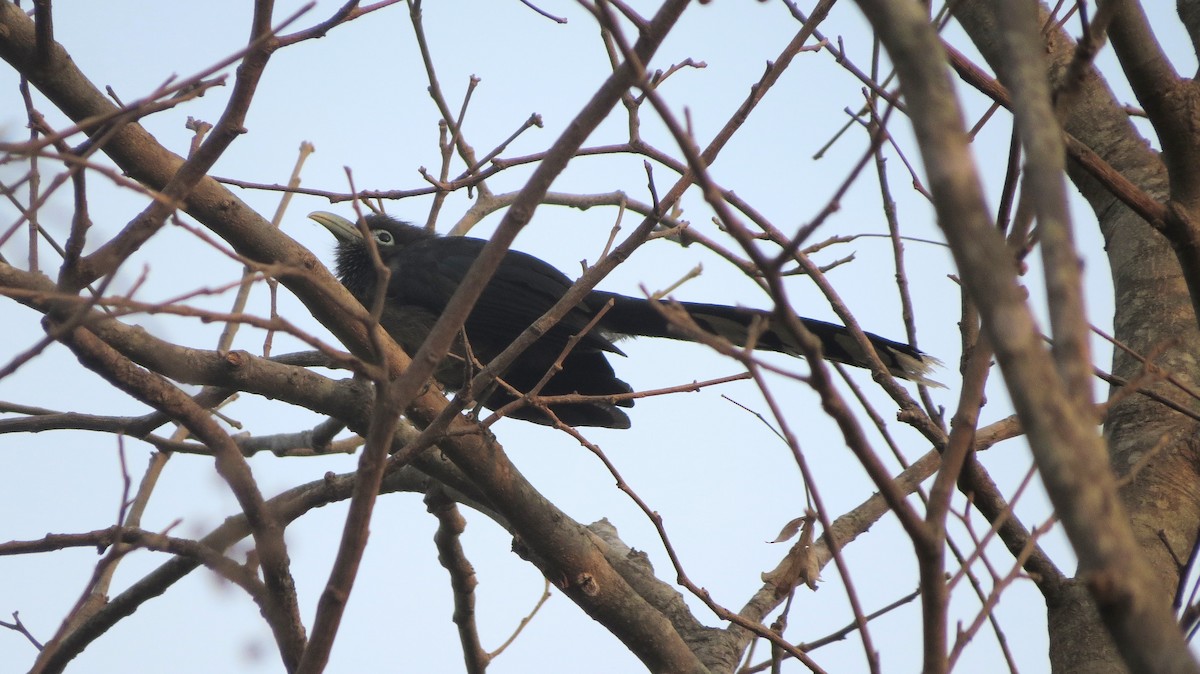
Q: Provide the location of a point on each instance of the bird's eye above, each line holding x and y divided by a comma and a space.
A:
384, 238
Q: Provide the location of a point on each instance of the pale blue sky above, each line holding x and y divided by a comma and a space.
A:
721, 480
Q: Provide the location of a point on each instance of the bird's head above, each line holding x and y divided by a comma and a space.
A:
384, 229
353, 257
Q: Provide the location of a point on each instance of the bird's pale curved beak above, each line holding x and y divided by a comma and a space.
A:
340, 227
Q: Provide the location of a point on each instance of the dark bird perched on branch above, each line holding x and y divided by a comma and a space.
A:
426, 270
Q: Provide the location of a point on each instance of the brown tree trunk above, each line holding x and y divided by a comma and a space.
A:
1148, 441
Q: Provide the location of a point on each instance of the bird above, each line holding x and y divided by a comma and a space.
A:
427, 268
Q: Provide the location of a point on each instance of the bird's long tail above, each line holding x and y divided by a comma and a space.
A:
635, 316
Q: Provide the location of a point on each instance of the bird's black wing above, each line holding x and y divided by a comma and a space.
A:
523, 288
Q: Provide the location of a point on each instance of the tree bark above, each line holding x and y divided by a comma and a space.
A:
1152, 444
